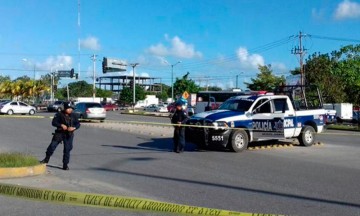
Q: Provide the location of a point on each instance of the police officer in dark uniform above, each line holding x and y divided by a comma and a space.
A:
66, 123
179, 118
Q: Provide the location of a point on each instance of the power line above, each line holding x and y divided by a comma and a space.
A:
334, 38
232, 57
40, 54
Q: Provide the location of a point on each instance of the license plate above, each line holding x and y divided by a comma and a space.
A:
217, 138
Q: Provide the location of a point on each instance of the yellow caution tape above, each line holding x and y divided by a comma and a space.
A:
111, 202
162, 124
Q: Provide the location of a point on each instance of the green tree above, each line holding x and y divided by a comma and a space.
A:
185, 84
23, 78
164, 94
319, 71
80, 89
103, 93
336, 74
126, 95
265, 80
347, 68
4, 79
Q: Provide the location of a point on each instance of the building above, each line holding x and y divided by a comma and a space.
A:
117, 83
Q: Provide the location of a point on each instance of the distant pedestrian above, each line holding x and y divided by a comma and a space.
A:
66, 123
179, 118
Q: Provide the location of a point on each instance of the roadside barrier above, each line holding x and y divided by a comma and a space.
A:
112, 202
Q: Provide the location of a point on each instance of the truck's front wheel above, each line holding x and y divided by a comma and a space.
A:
239, 140
307, 136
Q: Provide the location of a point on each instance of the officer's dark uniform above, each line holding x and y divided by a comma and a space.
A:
60, 135
179, 132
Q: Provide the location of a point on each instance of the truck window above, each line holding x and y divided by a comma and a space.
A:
280, 105
262, 107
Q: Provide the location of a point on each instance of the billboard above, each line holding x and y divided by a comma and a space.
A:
63, 73
293, 80
113, 65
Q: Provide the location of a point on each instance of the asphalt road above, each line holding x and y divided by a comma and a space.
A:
318, 180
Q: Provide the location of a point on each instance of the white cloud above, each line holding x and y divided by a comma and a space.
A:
91, 43
318, 14
347, 10
56, 63
247, 60
279, 68
176, 48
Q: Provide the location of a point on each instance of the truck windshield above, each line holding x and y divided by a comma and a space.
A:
236, 105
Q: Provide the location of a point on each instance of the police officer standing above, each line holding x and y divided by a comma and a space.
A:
66, 123
179, 118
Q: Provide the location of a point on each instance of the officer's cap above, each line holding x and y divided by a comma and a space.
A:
68, 105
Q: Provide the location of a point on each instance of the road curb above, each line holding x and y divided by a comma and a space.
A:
17, 172
165, 115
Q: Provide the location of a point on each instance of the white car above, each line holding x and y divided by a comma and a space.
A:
161, 108
155, 108
17, 107
90, 110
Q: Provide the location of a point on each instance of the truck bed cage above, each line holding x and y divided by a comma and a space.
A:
312, 99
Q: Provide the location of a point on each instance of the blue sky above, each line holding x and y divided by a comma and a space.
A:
215, 40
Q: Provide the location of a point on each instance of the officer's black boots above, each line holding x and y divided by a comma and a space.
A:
46, 160
65, 167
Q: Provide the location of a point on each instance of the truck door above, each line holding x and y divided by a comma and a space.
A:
265, 124
287, 113
269, 116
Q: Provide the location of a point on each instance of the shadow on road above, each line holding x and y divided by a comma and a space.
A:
256, 191
155, 144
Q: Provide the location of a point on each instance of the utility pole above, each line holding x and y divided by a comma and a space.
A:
93, 57
300, 50
67, 91
172, 80
133, 66
52, 86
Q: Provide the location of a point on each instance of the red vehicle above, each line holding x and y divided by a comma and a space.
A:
171, 107
111, 107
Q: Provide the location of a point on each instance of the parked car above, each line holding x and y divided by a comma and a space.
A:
4, 101
155, 108
356, 116
90, 110
161, 108
171, 107
17, 107
56, 106
110, 107
151, 108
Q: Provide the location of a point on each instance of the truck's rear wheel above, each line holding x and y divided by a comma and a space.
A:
307, 136
239, 140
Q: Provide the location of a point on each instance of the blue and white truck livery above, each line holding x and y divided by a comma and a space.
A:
244, 119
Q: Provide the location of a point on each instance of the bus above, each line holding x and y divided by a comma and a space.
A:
211, 100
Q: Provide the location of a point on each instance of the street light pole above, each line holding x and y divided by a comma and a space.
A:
237, 79
94, 78
133, 66
172, 80
52, 84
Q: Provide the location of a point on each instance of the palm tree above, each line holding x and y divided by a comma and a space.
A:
5, 89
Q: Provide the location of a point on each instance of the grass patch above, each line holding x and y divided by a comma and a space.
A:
344, 127
17, 160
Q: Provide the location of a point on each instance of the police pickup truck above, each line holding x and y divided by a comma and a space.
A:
248, 118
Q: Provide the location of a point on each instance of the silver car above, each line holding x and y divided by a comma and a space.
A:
17, 107
90, 110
